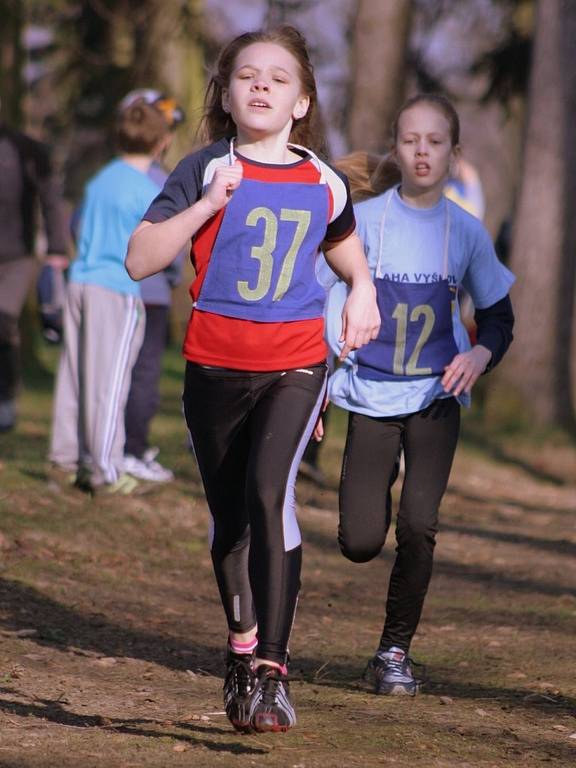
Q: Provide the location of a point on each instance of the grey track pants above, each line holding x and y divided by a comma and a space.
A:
103, 333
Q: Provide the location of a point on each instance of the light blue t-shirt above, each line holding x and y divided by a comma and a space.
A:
115, 200
411, 249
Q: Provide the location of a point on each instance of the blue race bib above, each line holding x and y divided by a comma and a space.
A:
263, 263
416, 337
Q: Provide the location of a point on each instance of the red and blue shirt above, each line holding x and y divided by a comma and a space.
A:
258, 305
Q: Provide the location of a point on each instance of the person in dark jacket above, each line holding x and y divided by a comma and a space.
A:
26, 183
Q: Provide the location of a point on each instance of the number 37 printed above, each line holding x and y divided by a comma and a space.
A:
264, 253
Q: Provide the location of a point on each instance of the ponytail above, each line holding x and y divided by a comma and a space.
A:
369, 174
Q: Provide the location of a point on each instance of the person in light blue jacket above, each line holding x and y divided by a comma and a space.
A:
404, 389
104, 314
144, 396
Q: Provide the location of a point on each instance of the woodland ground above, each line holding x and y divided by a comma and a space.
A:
111, 633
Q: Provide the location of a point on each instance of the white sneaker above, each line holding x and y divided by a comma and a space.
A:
147, 468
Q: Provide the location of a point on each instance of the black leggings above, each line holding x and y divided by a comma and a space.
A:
249, 431
428, 439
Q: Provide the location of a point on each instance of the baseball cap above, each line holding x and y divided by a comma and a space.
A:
172, 111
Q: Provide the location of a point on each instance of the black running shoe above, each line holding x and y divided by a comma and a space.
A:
238, 686
391, 673
270, 705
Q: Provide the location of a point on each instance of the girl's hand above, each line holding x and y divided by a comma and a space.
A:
465, 369
360, 317
318, 433
226, 179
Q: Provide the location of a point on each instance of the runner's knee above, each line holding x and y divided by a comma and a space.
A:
358, 549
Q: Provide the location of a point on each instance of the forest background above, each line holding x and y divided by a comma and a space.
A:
508, 65
111, 632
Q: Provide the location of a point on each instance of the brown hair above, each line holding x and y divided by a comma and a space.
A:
441, 103
369, 174
217, 124
139, 128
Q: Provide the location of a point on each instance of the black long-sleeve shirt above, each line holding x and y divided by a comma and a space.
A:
494, 329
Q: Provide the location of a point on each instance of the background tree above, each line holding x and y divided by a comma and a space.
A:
11, 60
108, 47
477, 53
378, 71
536, 374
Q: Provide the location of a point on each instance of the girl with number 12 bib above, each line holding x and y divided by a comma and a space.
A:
403, 390
257, 205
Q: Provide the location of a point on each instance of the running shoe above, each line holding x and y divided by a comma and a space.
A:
147, 468
391, 673
83, 480
124, 486
61, 476
270, 705
239, 684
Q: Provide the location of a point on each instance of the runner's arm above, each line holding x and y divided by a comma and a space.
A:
360, 316
495, 324
153, 247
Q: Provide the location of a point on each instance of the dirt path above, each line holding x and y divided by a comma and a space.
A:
111, 631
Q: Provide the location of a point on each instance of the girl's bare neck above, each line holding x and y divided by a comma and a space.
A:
266, 149
421, 198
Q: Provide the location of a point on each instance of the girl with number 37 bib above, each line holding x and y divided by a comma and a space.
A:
404, 389
257, 206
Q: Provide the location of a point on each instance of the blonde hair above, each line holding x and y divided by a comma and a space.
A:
369, 174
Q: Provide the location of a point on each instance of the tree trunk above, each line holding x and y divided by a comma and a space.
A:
174, 53
179, 66
11, 62
378, 67
536, 374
